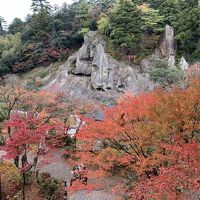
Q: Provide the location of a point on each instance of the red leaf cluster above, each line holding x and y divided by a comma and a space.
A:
154, 135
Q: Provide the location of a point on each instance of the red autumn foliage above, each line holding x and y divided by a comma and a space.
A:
155, 136
32, 57
178, 175
31, 119
193, 71
27, 131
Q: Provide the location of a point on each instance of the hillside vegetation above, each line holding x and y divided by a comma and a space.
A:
131, 27
150, 140
116, 120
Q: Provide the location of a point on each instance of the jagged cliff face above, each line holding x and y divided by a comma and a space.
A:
91, 72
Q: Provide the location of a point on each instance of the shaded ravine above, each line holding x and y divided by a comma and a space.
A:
54, 164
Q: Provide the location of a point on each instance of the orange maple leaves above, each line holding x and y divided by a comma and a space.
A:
156, 135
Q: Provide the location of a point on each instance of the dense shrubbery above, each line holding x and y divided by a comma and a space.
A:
48, 185
160, 72
10, 47
193, 71
11, 178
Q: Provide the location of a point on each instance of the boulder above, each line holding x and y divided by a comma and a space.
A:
166, 46
97, 115
183, 64
145, 64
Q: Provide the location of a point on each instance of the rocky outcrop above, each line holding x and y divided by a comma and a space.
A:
93, 72
183, 64
166, 46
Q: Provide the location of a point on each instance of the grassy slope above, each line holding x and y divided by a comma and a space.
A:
39, 76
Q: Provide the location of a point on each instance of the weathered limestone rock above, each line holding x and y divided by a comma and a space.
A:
106, 73
183, 64
166, 46
93, 72
82, 63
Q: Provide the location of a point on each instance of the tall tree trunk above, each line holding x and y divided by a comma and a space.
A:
16, 161
24, 159
35, 163
9, 131
23, 186
0, 188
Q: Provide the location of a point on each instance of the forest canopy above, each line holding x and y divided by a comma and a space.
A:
52, 34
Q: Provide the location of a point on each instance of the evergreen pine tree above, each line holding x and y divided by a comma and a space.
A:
2, 25
187, 26
41, 25
17, 25
170, 9
37, 5
82, 18
152, 20
125, 23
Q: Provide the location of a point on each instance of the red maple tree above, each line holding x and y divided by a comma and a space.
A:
155, 136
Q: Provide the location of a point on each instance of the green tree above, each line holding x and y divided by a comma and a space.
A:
74, 17
125, 23
64, 18
82, 18
41, 25
10, 46
152, 21
106, 5
2, 25
188, 27
154, 3
16, 26
160, 72
190, 3
170, 9
103, 25
37, 5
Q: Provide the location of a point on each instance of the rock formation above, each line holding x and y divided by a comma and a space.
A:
183, 64
166, 46
92, 72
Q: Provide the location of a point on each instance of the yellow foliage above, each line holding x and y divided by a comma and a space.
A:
71, 121
144, 8
10, 176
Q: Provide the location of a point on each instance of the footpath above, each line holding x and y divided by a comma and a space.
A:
54, 164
